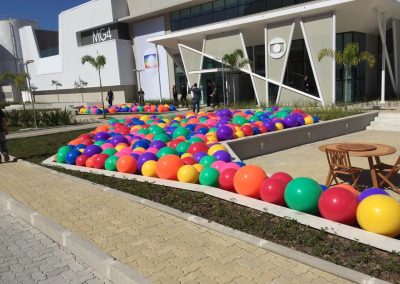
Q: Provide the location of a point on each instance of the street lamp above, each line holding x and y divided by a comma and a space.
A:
26, 63
138, 71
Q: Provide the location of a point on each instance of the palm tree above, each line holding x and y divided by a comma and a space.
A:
235, 61
80, 85
98, 63
56, 84
19, 80
351, 56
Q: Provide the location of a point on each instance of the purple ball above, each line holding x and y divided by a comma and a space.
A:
223, 156
101, 136
119, 139
144, 158
371, 191
224, 133
290, 121
199, 155
270, 125
135, 155
92, 150
158, 144
225, 113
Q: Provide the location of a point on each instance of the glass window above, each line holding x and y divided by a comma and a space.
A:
250, 54
185, 13
196, 16
259, 6
286, 3
230, 3
176, 16
231, 13
244, 10
207, 8
218, 5
175, 26
259, 60
195, 11
274, 4
219, 11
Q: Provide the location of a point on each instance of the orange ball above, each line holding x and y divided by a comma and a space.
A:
349, 188
103, 128
248, 179
127, 164
168, 166
89, 162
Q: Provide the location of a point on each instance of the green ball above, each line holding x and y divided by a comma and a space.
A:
203, 119
60, 157
302, 194
180, 131
143, 131
162, 136
111, 163
140, 108
99, 143
239, 120
112, 120
155, 129
282, 114
206, 161
64, 149
109, 151
182, 147
254, 118
195, 139
209, 177
213, 129
166, 151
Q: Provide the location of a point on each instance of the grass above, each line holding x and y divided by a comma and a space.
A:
286, 232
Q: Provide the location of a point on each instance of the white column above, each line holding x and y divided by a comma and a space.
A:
382, 26
396, 40
333, 63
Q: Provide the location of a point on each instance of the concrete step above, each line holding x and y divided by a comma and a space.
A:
389, 114
384, 128
385, 122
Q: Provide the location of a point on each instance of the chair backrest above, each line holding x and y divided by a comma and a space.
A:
338, 158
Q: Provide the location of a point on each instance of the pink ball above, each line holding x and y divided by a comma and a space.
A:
126, 151
218, 165
285, 177
230, 165
107, 146
152, 150
119, 154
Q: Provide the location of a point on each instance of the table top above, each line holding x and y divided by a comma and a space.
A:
372, 149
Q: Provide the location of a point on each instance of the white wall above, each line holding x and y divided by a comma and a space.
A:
66, 67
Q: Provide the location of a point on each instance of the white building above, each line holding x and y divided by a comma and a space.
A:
183, 41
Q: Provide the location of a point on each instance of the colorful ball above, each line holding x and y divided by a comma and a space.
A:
302, 194
248, 180
285, 177
127, 164
207, 161
272, 190
371, 191
168, 166
111, 163
209, 177
188, 174
99, 160
81, 160
71, 157
226, 179
149, 169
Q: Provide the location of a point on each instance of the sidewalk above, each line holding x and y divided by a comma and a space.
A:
162, 247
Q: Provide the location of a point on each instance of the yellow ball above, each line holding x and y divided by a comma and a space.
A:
380, 214
136, 127
198, 167
140, 149
120, 147
239, 134
279, 126
149, 169
185, 155
216, 148
162, 125
188, 174
308, 120
145, 117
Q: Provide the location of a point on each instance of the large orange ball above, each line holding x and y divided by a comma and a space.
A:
168, 166
127, 165
248, 179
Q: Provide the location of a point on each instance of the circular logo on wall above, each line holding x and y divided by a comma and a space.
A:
277, 48
150, 60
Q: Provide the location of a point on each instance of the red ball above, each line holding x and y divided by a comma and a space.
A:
197, 147
85, 136
247, 130
127, 164
81, 160
124, 130
99, 160
189, 161
272, 190
175, 142
263, 129
285, 177
339, 205
86, 142
226, 179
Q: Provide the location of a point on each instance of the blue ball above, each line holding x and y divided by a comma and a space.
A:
71, 156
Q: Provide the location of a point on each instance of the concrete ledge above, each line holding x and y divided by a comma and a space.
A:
4, 199
52, 229
258, 145
120, 273
21, 210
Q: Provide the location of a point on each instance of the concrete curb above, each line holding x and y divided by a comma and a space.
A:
312, 261
102, 263
342, 230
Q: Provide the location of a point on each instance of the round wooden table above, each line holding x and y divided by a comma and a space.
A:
371, 151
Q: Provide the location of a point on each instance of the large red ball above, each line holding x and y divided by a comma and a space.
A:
247, 130
226, 179
99, 160
197, 147
285, 177
272, 190
189, 161
174, 143
81, 160
339, 205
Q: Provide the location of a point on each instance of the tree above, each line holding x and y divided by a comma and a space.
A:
349, 57
19, 80
235, 61
98, 63
56, 84
80, 85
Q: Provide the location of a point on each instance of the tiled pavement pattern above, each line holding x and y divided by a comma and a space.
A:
28, 256
160, 246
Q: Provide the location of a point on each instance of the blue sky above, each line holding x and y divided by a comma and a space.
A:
45, 12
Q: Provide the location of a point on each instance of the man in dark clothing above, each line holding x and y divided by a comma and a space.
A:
209, 92
110, 97
3, 133
184, 95
175, 95
215, 95
141, 97
196, 97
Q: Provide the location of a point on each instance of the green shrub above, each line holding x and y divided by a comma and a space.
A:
44, 118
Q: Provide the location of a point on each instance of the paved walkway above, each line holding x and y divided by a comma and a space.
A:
28, 256
160, 246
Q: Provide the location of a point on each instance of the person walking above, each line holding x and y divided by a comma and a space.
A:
196, 98
215, 95
3, 133
110, 97
209, 92
175, 95
141, 97
184, 96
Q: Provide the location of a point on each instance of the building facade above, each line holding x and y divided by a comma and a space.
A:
154, 45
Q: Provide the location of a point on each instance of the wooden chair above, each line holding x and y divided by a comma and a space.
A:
386, 172
339, 164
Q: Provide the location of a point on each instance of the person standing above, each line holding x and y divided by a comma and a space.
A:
175, 95
3, 133
141, 97
306, 84
215, 95
196, 98
110, 97
209, 92
184, 96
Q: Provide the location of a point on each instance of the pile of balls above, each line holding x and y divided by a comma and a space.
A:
186, 148
128, 108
